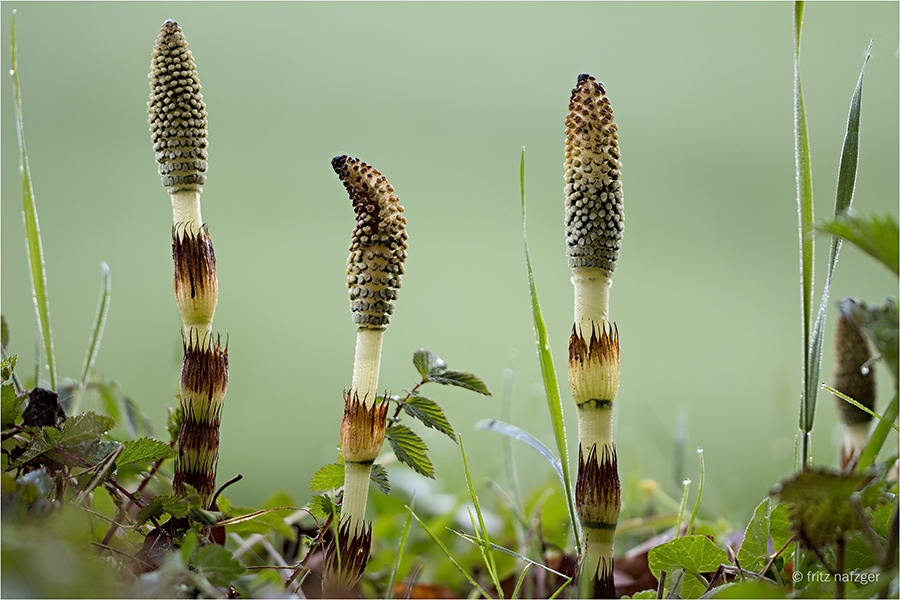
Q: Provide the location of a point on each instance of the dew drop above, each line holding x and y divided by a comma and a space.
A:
699, 449
864, 370
12, 72
687, 481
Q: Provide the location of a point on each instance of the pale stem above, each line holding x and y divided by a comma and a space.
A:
356, 493
595, 426
598, 545
591, 296
186, 211
366, 364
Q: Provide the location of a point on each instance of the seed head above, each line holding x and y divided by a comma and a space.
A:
378, 244
595, 217
177, 112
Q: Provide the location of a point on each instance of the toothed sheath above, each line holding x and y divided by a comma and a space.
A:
594, 224
374, 269
178, 132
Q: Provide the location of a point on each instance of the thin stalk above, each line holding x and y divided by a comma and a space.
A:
96, 335
32, 227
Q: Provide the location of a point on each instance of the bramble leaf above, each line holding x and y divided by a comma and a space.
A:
875, 235
329, 477
379, 477
11, 405
217, 564
427, 362
321, 507
410, 449
8, 366
85, 427
144, 449
159, 506
460, 379
429, 413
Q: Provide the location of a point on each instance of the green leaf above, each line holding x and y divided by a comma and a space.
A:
99, 322
32, 228
819, 502
754, 552
249, 521
521, 435
410, 449
780, 526
43, 441
173, 423
379, 477
217, 564
429, 413
745, 589
548, 372
875, 235
160, 505
641, 595
135, 419
144, 450
695, 554
11, 405
329, 477
427, 362
460, 379
321, 507
7, 367
85, 427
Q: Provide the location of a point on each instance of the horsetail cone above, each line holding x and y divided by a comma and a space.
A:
594, 224
852, 378
178, 123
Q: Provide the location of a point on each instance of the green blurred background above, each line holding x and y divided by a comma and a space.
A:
441, 98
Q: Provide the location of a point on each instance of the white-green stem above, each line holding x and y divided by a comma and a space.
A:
186, 211
591, 295
367, 363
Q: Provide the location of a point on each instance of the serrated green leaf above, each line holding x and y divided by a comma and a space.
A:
161, 505
321, 507
11, 405
641, 595
217, 564
379, 477
84, 428
427, 362
875, 235
329, 477
429, 413
144, 449
460, 379
43, 441
249, 521
754, 552
410, 449
7, 367
91, 452
695, 554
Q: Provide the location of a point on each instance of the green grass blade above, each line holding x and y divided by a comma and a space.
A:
523, 436
699, 491
403, 537
842, 203
846, 398
443, 547
551, 387
806, 228
96, 335
479, 542
521, 580
99, 323
487, 551
32, 228
879, 435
